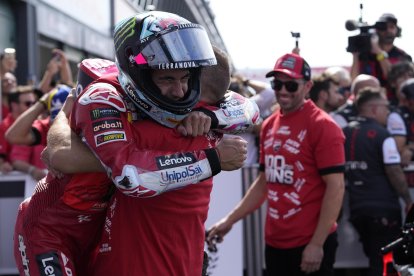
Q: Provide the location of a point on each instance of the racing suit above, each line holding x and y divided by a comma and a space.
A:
161, 235
57, 227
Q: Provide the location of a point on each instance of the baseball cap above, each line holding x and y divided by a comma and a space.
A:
388, 17
407, 88
292, 65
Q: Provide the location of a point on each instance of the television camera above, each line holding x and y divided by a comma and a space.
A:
362, 42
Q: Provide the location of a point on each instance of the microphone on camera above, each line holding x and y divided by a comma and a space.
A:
351, 25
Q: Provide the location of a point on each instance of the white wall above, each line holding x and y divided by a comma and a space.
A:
227, 192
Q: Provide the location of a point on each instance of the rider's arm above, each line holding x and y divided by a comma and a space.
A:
100, 117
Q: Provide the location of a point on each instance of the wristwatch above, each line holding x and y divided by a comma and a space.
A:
381, 56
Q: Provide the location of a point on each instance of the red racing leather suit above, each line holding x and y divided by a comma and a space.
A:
59, 225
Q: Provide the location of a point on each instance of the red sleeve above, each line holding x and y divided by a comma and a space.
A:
20, 152
3, 143
329, 145
41, 127
100, 117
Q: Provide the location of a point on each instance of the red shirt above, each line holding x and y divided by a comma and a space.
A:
41, 127
294, 148
4, 111
29, 154
138, 155
5, 147
165, 233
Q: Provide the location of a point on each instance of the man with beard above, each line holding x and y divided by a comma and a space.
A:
325, 93
301, 179
383, 54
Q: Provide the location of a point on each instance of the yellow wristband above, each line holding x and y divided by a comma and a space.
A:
381, 56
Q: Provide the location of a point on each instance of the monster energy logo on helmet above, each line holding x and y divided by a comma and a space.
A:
123, 31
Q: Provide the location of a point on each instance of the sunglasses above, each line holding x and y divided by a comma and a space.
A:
28, 103
342, 90
291, 86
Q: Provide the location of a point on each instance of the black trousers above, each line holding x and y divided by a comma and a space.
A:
374, 233
287, 261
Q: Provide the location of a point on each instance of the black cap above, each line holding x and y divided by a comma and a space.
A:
407, 88
388, 17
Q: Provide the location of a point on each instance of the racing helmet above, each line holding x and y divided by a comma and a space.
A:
158, 41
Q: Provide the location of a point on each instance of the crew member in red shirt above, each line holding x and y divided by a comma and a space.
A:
301, 163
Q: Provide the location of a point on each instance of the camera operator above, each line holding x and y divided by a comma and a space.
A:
377, 62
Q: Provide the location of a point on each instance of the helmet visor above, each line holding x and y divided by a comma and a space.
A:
181, 48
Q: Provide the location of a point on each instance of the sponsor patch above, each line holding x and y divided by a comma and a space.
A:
103, 93
107, 125
131, 92
177, 65
176, 160
49, 264
99, 113
23, 255
234, 101
183, 174
233, 112
109, 137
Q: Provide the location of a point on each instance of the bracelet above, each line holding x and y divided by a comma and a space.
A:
30, 170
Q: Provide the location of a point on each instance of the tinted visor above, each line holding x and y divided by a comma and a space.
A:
179, 48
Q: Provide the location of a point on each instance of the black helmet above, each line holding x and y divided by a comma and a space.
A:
160, 40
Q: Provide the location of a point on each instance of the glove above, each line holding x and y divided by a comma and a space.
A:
233, 114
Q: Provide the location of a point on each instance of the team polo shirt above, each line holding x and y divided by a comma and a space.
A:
295, 150
345, 114
369, 147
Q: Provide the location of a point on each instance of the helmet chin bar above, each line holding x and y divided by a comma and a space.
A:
161, 116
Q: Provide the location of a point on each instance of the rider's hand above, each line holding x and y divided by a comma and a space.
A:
232, 151
195, 124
